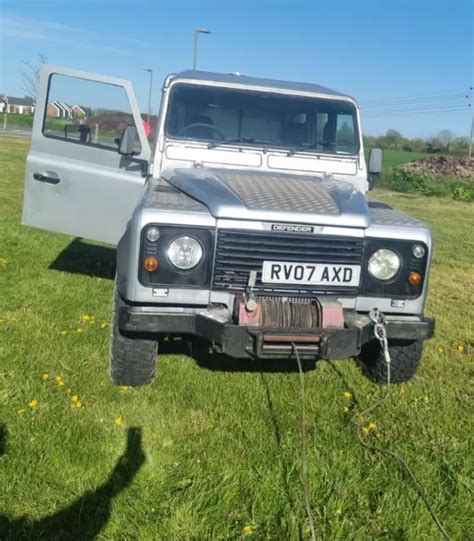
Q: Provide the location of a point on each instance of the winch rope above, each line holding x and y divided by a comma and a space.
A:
304, 456
381, 335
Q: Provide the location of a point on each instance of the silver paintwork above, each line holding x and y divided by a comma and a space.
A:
233, 80
272, 197
235, 187
98, 188
171, 154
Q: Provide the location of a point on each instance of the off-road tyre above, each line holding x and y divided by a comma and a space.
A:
405, 358
132, 358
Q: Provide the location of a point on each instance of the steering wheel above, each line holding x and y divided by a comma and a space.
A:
182, 131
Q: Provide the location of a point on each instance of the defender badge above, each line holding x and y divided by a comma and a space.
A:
293, 228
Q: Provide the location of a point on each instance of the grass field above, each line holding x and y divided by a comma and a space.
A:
215, 454
392, 158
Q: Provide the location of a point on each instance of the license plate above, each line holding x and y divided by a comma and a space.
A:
317, 274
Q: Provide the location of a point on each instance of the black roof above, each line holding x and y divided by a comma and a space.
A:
237, 79
20, 101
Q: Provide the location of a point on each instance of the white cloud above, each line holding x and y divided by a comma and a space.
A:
38, 30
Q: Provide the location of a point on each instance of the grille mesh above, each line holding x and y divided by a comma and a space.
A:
239, 252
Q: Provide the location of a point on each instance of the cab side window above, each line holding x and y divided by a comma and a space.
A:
86, 112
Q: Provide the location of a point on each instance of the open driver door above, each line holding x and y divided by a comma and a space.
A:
82, 178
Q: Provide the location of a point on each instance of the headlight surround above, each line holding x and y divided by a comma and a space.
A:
384, 264
185, 252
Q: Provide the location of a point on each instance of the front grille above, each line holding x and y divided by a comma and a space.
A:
239, 252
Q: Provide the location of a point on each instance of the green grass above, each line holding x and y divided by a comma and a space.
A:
392, 158
222, 448
16, 120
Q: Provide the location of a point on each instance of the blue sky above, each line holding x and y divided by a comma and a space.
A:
408, 62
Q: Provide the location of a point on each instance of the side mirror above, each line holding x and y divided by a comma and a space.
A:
127, 140
375, 166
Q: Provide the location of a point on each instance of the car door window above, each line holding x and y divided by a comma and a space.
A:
86, 112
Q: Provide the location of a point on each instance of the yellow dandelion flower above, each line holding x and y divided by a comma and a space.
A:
460, 348
61, 384
21, 411
441, 349
372, 425
365, 429
63, 332
33, 403
124, 388
58, 379
78, 404
347, 394
74, 398
86, 318
79, 330
104, 325
118, 421
248, 529
45, 376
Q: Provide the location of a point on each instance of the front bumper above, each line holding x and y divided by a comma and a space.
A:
259, 342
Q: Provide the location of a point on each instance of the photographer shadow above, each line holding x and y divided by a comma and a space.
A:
85, 517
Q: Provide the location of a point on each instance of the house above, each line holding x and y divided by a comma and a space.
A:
79, 112
54, 110
60, 109
21, 106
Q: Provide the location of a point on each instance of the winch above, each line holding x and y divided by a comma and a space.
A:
284, 312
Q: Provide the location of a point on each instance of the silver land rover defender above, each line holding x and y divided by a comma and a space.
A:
248, 232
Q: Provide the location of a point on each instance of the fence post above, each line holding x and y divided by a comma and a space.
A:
5, 120
96, 133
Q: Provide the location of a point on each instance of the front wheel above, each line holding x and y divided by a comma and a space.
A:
132, 359
405, 358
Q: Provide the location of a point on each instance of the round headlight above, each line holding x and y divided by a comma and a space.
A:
419, 251
384, 264
185, 252
152, 234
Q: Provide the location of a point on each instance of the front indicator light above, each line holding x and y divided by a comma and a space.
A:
150, 264
414, 278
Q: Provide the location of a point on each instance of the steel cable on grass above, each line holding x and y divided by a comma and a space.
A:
393, 454
304, 456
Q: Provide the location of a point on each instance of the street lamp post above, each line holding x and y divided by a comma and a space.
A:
196, 38
150, 71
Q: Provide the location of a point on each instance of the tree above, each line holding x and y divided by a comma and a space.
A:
345, 135
445, 137
393, 139
30, 76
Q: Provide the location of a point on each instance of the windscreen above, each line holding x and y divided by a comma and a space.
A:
222, 116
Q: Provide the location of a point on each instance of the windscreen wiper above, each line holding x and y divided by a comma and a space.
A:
238, 140
311, 146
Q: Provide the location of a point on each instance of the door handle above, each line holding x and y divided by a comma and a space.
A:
49, 178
